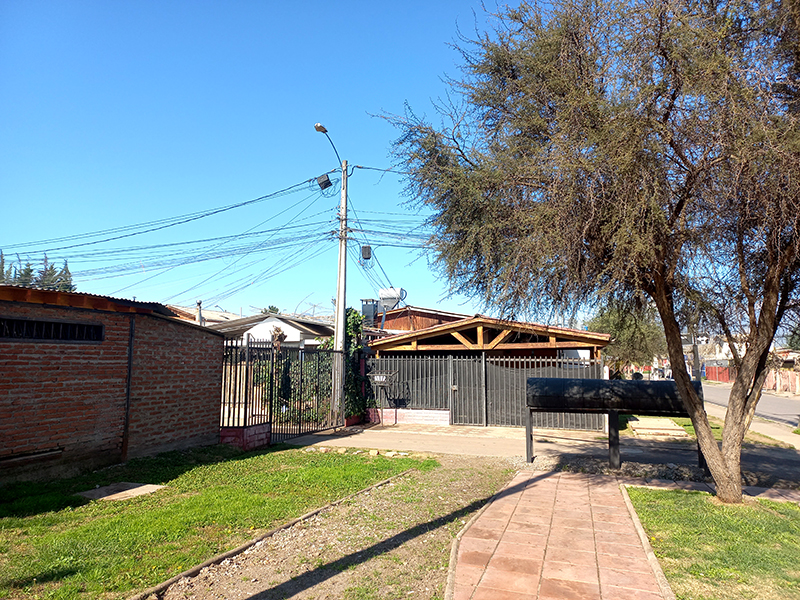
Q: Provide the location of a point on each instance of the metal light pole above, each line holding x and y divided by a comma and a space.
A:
340, 324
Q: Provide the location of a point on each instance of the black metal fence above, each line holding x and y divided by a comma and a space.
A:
480, 390
287, 387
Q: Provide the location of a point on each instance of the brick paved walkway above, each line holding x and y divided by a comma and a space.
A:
564, 536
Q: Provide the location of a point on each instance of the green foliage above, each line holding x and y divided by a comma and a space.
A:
793, 341
48, 277
355, 400
271, 309
637, 334
57, 545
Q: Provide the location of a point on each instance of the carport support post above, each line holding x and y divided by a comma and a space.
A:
613, 440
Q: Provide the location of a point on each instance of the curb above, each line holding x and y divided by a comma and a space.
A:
449, 589
157, 590
661, 579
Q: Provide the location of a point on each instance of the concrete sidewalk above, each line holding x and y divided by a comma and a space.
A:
563, 536
509, 442
776, 431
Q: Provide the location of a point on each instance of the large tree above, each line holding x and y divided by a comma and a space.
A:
633, 151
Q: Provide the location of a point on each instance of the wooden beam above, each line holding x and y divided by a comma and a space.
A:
537, 345
464, 340
553, 342
503, 335
439, 348
481, 339
500, 347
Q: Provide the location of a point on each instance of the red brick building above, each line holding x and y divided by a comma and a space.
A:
87, 381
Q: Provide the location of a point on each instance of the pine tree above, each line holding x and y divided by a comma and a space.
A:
24, 275
47, 277
63, 282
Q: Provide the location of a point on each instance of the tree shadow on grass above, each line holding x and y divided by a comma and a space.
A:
322, 573
29, 498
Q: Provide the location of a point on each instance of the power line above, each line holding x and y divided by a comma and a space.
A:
246, 254
153, 225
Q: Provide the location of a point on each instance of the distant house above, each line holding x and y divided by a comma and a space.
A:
299, 331
414, 318
87, 381
201, 315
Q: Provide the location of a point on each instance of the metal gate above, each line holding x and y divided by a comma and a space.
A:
482, 390
468, 405
289, 388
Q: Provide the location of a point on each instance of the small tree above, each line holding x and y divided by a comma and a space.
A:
637, 335
47, 277
793, 341
614, 149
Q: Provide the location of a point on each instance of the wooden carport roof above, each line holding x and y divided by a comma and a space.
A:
485, 334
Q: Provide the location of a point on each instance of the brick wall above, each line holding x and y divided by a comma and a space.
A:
64, 399
176, 386
62, 404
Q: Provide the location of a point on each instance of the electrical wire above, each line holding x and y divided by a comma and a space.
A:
246, 254
152, 225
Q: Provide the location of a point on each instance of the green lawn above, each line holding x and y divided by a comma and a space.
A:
713, 551
54, 544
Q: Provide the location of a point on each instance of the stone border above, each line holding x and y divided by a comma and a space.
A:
449, 588
663, 584
193, 571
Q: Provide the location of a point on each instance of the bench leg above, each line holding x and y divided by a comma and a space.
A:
613, 440
529, 437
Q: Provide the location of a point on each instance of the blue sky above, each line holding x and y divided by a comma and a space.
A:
116, 114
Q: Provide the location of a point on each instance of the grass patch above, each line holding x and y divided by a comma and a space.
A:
797, 431
58, 545
710, 550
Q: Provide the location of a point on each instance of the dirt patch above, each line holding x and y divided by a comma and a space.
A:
391, 542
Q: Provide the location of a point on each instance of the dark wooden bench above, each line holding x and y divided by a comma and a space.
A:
612, 397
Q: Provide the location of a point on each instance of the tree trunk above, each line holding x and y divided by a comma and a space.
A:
725, 467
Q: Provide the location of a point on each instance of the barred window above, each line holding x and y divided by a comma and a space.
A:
33, 329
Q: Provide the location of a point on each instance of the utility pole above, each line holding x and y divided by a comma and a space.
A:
340, 324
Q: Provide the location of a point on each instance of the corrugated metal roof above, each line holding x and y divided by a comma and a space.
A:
32, 295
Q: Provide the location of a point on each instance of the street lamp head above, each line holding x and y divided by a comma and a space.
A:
321, 128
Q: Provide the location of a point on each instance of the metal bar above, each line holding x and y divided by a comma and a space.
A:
613, 439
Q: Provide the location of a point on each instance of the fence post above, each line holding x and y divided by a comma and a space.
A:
271, 386
483, 391
248, 378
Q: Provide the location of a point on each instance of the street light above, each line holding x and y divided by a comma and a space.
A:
339, 316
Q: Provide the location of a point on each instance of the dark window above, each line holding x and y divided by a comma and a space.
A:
30, 329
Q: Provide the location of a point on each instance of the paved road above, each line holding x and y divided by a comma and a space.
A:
774, 408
